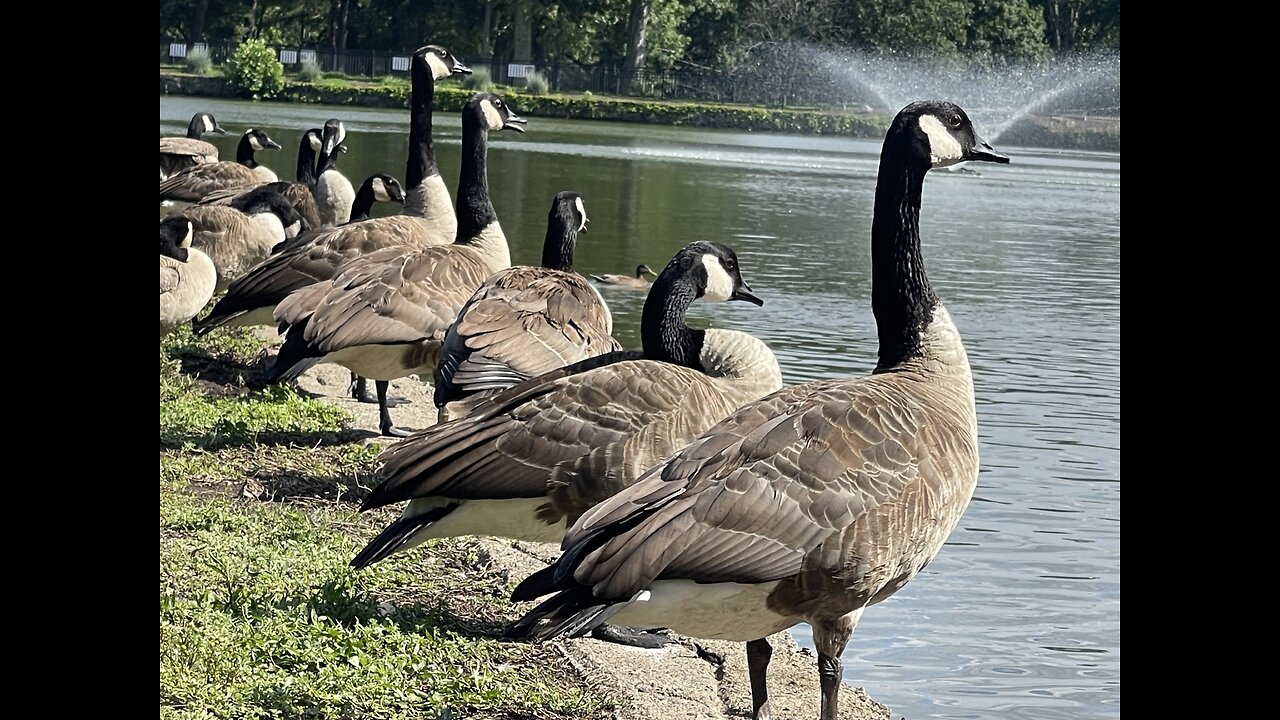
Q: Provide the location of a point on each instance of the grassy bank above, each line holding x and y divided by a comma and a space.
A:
260, 616
1085, 134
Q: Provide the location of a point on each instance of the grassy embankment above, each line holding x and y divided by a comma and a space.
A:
260, 616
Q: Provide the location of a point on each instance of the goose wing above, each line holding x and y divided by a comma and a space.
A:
779, 487
170, 276
197, 181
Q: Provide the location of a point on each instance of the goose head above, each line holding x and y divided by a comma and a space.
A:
203, 123
267, 199
386, 188
496, 113
569, 207
333, 133
259, 140
714, 270
441, 62
642, 270
942, 133
175, 237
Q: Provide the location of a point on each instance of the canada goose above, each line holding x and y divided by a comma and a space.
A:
428, 217
187, 276
815, 502
524, 321
379, 187
179, 153
528, 461
197, 181
334, 192
300, 192
238, 236
385, 314
639, 281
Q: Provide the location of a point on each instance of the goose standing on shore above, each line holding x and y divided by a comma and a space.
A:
187, 276
238, 236
179, 153
525, 463
815, 502
334, 192
638, 281
301, 192
385, 314
524, 321
194, 183
428, 217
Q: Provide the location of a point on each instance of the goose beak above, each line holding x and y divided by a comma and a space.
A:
983, 151
273, 145
743, 292
514, 122
459, 69
218, 129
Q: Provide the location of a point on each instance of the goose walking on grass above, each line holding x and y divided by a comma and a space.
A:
636, 281
428, 218
524, 321
814, 502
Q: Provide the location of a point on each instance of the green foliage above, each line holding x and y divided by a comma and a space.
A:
254, 70
1007, 30
198, 61
310, 71
478, 81
910, 26
535, 84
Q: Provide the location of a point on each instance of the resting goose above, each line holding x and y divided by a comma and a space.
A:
528, 461
524, 321
194, 183
334, 192
428, 217
241, 235
639, 281
187, 276
812, 503
300, 192
384, 315
180, 153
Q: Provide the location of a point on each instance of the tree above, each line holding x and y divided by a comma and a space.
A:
1081, 24
637, 50
1006, 29
910, 26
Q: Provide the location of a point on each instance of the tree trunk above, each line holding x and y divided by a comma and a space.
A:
486, 30
197, 21
523, 51
342, 23
253, 19
636, 48
1062, 19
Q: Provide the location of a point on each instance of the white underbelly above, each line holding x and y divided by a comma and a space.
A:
713, 611
379, 362
515, 518
259, 316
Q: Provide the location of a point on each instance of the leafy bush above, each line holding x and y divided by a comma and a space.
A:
535, 84
479, 80
198, 61
310, 71
254, 70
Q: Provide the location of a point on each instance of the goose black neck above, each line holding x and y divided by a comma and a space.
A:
557, 248
306, 162
244, 153
422, 155
474, 207
195, 128
901, 297
362, 207
663, 331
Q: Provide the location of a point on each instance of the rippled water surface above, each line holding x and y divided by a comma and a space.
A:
1019, 616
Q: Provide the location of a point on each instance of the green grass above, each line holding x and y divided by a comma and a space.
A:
260, 614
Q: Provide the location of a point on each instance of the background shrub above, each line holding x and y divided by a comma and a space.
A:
198, 61
535, 84
310, 71
255, 71
479, 80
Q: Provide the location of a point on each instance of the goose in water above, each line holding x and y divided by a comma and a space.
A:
194, 183
524, 321
638, 281
810, 504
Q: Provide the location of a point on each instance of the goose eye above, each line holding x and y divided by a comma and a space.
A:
730, 264
954, 120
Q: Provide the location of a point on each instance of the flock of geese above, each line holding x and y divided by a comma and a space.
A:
689, 488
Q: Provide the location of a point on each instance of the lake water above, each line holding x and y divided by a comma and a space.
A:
1019, 616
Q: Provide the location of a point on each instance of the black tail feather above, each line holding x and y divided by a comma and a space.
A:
296, 356
397, 534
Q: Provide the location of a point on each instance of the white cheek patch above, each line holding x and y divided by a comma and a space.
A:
255, 143
719, 284
315, 141
439, 70
491, 115
342, 134
380, 191
208, 124
582, 210
186, 239
944, 149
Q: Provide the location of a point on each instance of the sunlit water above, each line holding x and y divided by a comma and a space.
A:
1019, 616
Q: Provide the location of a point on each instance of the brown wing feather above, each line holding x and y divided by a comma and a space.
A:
170, 277
197, 181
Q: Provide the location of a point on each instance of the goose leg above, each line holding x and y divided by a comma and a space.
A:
359, 389
758, 654
629, 637
387, 427
830, 637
